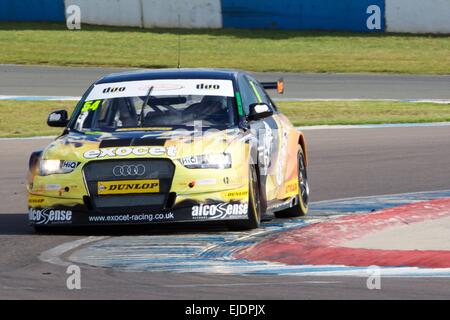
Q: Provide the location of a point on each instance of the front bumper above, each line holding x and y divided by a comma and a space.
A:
184, 195
48, 211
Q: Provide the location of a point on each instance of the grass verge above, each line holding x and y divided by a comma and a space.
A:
256, 50
308, 113
28, 118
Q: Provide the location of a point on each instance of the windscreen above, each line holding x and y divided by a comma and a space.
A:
158, 103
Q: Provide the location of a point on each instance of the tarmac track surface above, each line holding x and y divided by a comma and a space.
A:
67, 81
343, 163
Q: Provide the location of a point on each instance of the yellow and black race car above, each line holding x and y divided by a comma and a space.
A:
166, 146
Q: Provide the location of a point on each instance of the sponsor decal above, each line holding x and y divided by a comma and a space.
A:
46, 216
129, 151
188, 161
90, 105
163, 87
182, 87
35, 201
52, 187
282, 157
121, 218
219, 211
114, 89
291, 188
233, 180
282, 205
236, 194
128, 186
265, 149
206, 182
206, 86
69, 165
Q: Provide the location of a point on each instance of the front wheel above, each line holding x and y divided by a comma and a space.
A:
301, 207
254, 204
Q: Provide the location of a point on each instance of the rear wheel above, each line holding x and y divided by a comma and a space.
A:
301, 207
254, 204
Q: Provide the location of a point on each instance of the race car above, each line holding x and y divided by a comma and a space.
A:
170, 146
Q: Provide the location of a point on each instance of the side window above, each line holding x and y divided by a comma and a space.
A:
247, 94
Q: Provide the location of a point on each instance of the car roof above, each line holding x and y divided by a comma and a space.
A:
153, 74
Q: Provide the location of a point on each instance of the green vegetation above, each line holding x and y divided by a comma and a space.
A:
28, 118
257, 50
307, 113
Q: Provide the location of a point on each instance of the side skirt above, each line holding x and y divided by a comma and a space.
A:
279, 205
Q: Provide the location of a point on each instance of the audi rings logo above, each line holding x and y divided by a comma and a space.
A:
129, 170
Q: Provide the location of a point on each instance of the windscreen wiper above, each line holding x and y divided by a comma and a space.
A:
147, 98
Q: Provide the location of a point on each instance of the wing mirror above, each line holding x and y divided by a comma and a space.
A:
58, 118
259, 111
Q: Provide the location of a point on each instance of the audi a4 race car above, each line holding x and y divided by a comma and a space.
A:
166, 146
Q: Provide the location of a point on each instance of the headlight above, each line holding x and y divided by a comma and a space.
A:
207, 161
56, 166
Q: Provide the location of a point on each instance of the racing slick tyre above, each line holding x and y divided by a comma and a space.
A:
254, 204
301, 207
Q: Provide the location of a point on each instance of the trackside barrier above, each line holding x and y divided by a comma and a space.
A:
109, 13
191, 14
343, 15
32, 10
348, 15
151, 13
413, 16
418, 16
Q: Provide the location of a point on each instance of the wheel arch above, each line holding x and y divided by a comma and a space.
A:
33, 166
303, 145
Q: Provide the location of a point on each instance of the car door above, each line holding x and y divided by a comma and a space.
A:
267, 132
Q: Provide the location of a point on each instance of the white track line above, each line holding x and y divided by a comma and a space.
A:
76, 98
247, 284
374, 126
54, 255
439, 101
28, 138
40, 98
378, 196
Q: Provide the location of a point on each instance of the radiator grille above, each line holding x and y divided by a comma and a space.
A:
117, 170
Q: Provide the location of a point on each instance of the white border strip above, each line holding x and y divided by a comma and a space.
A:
54, 255
438, 101
40, 98
75, 98
375, 126
28, 138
